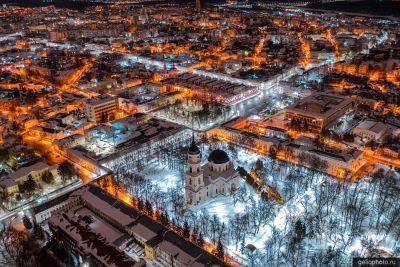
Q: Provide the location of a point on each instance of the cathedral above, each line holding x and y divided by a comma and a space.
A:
217, 177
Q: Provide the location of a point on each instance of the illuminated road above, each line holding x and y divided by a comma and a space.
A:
371, 158
46, 148
268, 89
269, 86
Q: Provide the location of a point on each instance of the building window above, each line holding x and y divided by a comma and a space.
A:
190, 181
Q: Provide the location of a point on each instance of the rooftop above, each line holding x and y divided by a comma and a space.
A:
218, 156
91, 242
10, 180
155, 234
373, 126
101, 99
320, 105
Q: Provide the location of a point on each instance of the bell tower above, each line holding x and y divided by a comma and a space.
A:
194, 158
194, 176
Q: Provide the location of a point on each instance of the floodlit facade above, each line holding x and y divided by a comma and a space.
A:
341, 164
217, 177
10, 184
101, 107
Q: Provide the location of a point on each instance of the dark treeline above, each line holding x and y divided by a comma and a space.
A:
377, 8
57, 3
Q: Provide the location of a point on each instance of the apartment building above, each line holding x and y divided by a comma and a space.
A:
101, 108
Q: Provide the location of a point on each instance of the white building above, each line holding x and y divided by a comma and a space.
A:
217, 177
341, 164
11, 183
71, 141
371, 130
103, 106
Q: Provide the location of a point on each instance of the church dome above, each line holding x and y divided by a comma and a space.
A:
218, 157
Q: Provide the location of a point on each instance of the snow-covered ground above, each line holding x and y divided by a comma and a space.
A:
321, 221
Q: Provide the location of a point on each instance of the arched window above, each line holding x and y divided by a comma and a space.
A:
190, 181
190, 168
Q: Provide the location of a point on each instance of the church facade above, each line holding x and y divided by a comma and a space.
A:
217, 177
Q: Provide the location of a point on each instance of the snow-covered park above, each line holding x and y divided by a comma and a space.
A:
323, 222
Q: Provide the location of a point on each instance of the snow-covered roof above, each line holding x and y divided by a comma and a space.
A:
90, 242
107, 204
373, 126
11, 179
33, 168
96, 201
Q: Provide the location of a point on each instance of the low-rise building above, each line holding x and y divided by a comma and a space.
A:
10, 183
341, 164
138, 136
318, 111
23, 155
71, 141
224, 92
371, 130
96, 227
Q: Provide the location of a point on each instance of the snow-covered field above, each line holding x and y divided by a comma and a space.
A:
322, 222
